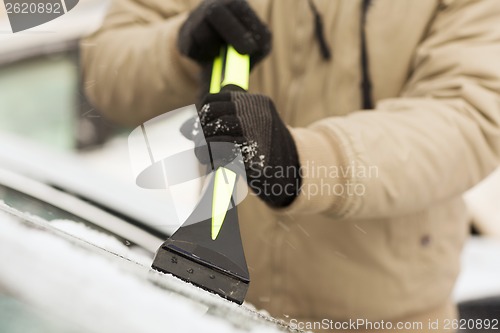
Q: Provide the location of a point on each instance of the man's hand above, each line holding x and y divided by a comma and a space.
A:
215, 23
251, 122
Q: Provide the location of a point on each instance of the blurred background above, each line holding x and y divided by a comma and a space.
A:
42, 99
40, 87
43, 108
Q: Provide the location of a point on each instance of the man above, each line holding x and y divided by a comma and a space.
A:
392, 111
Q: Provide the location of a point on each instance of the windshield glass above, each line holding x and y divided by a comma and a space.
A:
27, 204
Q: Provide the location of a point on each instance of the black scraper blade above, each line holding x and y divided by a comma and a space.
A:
191, 254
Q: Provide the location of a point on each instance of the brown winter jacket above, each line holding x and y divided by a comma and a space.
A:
377, 230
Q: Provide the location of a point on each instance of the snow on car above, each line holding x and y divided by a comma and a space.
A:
63, 282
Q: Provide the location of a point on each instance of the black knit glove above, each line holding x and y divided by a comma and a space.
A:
215, 23
251, 122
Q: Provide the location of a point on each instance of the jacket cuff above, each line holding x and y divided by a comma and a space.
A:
319, 168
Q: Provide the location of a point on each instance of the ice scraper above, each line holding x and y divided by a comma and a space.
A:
208, 252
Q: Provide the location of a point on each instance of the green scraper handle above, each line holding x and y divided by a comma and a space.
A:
229, 68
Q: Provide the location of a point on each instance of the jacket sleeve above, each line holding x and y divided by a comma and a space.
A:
440, 137
132, 70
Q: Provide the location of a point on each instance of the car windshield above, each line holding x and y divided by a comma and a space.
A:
61, 284
17, 316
